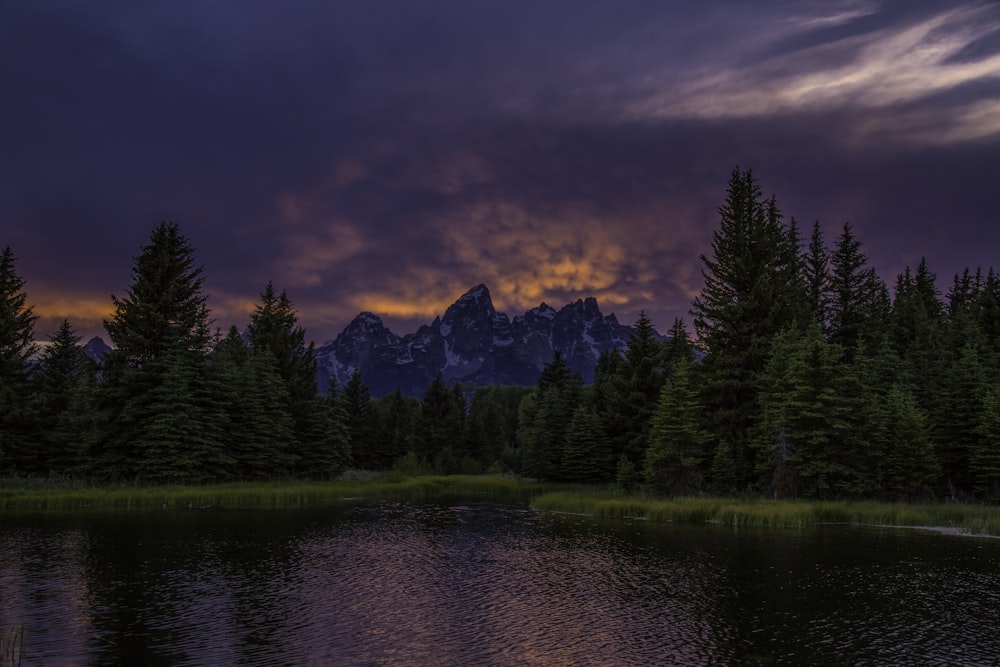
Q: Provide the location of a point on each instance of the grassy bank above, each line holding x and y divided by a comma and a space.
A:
973, 519
33, 494
68, 495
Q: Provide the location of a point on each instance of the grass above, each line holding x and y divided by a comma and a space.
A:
32, 494
11, 643
63, 495
972, 519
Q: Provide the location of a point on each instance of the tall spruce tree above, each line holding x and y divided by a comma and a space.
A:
586, 454
909, 466
18, 451
545, 419
63, 372
441, 423
985, 462
275, 332
915, 324
675, 460
752, 290
859, 300
362, 428
640, 382
397, 423
809, 401
157, 369
259, 433
816, 272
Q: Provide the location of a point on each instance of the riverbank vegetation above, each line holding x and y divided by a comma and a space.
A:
605, 502
69, 494
807, 378
758, 512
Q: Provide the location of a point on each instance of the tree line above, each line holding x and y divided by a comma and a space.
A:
806, 377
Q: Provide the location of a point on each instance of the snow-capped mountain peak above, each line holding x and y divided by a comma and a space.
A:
471, 343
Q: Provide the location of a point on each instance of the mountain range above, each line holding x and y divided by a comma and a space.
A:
471, 343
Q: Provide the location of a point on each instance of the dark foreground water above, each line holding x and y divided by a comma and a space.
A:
470, 583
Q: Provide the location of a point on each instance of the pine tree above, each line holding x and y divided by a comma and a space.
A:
752, 290
678, 347
325, 433
488, 431
642, 379
985, 462
160, 336
586, 455
809, 402
909, 467
62, 372
956, 408
816, 271
17, 450
441, 424
675, 459
355, 401
915, 326
546, 418
260, 433
858, 297
274, 327
274, 330
181, 439
397, 421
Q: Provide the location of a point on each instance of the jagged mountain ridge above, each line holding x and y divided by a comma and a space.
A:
471, 343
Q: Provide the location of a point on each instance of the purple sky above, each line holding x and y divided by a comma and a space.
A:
388, 155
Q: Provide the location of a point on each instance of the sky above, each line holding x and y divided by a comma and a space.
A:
388, 155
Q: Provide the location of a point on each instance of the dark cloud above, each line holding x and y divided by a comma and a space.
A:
387, 156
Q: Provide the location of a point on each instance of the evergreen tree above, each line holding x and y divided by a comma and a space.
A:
985, 462
62, 372
324, 430
546, 418
488, 433
676, 456
642, 379
441, 423
274, 327
18, 452
678, 347
809, 406
260, 433
274, 330
915, 323
355, 401
160, 336
957, 405
909, 466
587, 455
751, 291
816, 271
397, 422
607, 396
859, 300
181, 439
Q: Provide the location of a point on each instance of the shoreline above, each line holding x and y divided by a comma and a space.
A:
600, 502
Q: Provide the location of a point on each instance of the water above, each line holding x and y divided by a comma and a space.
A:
470, 583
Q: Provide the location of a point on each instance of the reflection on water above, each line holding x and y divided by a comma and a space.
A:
486, 584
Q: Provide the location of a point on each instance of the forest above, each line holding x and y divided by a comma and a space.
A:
806, 377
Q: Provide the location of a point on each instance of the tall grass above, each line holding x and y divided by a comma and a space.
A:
973, 519
18, 494
11, 646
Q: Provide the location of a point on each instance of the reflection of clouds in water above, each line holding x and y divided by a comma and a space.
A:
492, 586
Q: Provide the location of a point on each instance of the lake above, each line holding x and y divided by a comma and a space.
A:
459, 582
